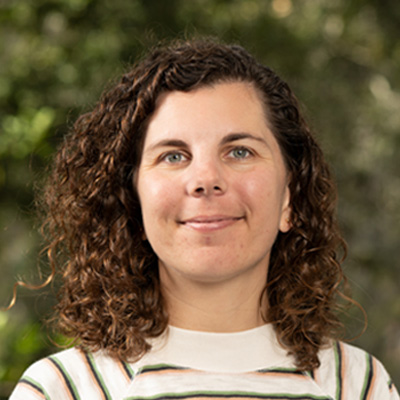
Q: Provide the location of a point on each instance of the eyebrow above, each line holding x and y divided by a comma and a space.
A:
239, 136
232, 137
168, 143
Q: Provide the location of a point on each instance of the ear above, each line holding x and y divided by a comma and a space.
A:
286, 211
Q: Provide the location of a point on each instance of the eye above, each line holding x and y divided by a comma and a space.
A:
240, 153
173, 157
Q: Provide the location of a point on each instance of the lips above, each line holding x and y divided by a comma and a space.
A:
210, 223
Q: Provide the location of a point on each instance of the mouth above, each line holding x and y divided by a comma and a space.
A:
210, 223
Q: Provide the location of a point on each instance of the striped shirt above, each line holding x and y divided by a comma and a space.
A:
198, 365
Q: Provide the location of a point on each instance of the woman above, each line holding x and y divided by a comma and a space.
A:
192, 216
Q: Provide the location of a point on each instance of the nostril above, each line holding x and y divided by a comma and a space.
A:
206, 190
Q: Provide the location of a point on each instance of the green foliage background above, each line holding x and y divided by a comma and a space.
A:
341, 57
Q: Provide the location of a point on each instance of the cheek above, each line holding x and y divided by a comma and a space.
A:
263, 193
255, 186
158, 198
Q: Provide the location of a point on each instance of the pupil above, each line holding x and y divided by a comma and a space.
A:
174, 157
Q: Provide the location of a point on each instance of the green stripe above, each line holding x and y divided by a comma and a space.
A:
309, 374
367, 379
34, 383
215, 394
161, 367
99, 377
67, 376
129, 368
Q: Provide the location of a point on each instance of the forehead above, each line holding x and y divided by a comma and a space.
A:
223, 106
237, 87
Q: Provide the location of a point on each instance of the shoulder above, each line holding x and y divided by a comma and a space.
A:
73, 374
42, 376
347, 371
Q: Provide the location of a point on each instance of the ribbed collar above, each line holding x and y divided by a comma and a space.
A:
237, 352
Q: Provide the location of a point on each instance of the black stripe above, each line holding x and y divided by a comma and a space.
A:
68, 383
370, 375
339, 371
158, 368
127, 370
38, 388
93, 369
281, 371
230, 395
312, 374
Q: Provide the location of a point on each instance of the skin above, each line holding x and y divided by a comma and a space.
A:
214, 194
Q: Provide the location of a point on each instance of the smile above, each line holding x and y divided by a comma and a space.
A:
210, 223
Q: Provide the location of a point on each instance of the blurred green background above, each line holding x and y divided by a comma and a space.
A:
341, 57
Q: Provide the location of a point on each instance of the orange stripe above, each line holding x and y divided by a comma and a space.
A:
62, 379
32, 389
373, 380
82, 354
316, 375
124, 372
392, 388
343, 371
167, 371
232, 398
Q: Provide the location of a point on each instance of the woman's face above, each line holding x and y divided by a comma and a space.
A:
212, 184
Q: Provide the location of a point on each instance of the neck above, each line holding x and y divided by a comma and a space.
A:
231, 306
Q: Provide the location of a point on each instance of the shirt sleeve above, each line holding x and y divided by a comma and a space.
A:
37, 381
348, 373
55, 377
382, 386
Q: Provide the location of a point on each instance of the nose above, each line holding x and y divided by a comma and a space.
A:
206, 179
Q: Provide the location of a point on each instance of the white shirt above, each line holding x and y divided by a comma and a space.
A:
186, 364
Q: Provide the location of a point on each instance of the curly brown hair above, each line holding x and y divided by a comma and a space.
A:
110, 297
